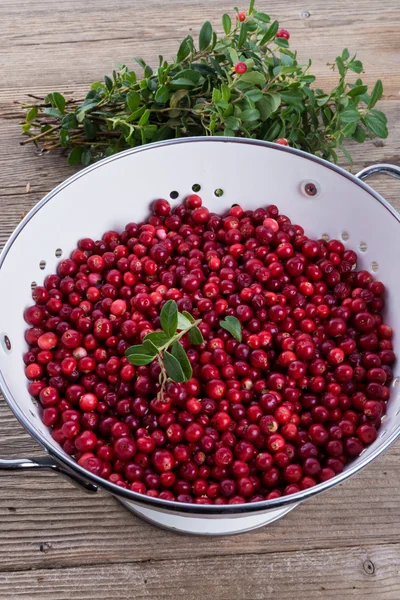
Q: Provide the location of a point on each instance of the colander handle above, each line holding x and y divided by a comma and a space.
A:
386, 169
47, 462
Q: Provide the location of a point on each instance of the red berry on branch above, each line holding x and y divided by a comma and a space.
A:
240, 68
283, 33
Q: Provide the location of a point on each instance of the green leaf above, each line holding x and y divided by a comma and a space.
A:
281, 42
173, 368
90, 129
270, 33
169, 317
268, 105
226, 92
349, 129
357, 90
359, 134
226, 23
140, 359
242, 34
377, 123
376, 94
356, 66
232, 123
133, 100
263, 17
32, 113
340, 66
188, 316
184, 49
253, 77
250, 114
251, 7
108, 82
158, 338
86, 157
144, 118
179, 353
195, 336
53, 112
150, 348
345, 54
138, 355
57, 101
205, 35
74, 157
346, 153
183, 322
69, 121
292, 96
349, 115
232, 325
64, 137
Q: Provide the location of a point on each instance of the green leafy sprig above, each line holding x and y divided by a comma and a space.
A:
165, 345
199, 93
232, 325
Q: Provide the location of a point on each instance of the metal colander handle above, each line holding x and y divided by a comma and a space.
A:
386, 169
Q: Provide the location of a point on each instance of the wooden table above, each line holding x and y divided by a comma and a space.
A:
55, 541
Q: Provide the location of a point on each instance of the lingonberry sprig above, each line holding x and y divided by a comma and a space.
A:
166, 347
245, 83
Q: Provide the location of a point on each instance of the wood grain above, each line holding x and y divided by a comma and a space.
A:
56, 542
349, 573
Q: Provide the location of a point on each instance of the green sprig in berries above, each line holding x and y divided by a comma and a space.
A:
165, 345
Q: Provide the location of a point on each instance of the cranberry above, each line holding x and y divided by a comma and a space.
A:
240, 68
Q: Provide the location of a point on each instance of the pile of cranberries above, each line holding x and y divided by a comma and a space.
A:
302, 394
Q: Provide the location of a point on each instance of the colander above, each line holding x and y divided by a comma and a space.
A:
325, 199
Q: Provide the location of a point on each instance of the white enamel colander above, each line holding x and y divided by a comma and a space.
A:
323, 198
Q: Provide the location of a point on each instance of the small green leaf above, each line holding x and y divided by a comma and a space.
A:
86, 157
205, 35
345, 54
349, 115
53, 112
346, 153
188, 316
263, 17
162, 94
356, 66
74, 157
69, 121
377, 123
150, 348
173, 368
268, 105
232, 123
195, 336
349, 129
32, 113
183, 322
133, 101
251, 7
376, 94
357, 90
169, 317
242, 34
250, 114
226, 92
158, 338
359, 134
292, 96
138, 349
144, 118
64, 137
270, 33
179, 353
108, 82
185, 49
281, 42
226, 23
253, 77
340, 66
232, 325
90, 129
140, 359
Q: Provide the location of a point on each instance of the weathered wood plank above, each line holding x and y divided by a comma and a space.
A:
348, 573
47, 523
